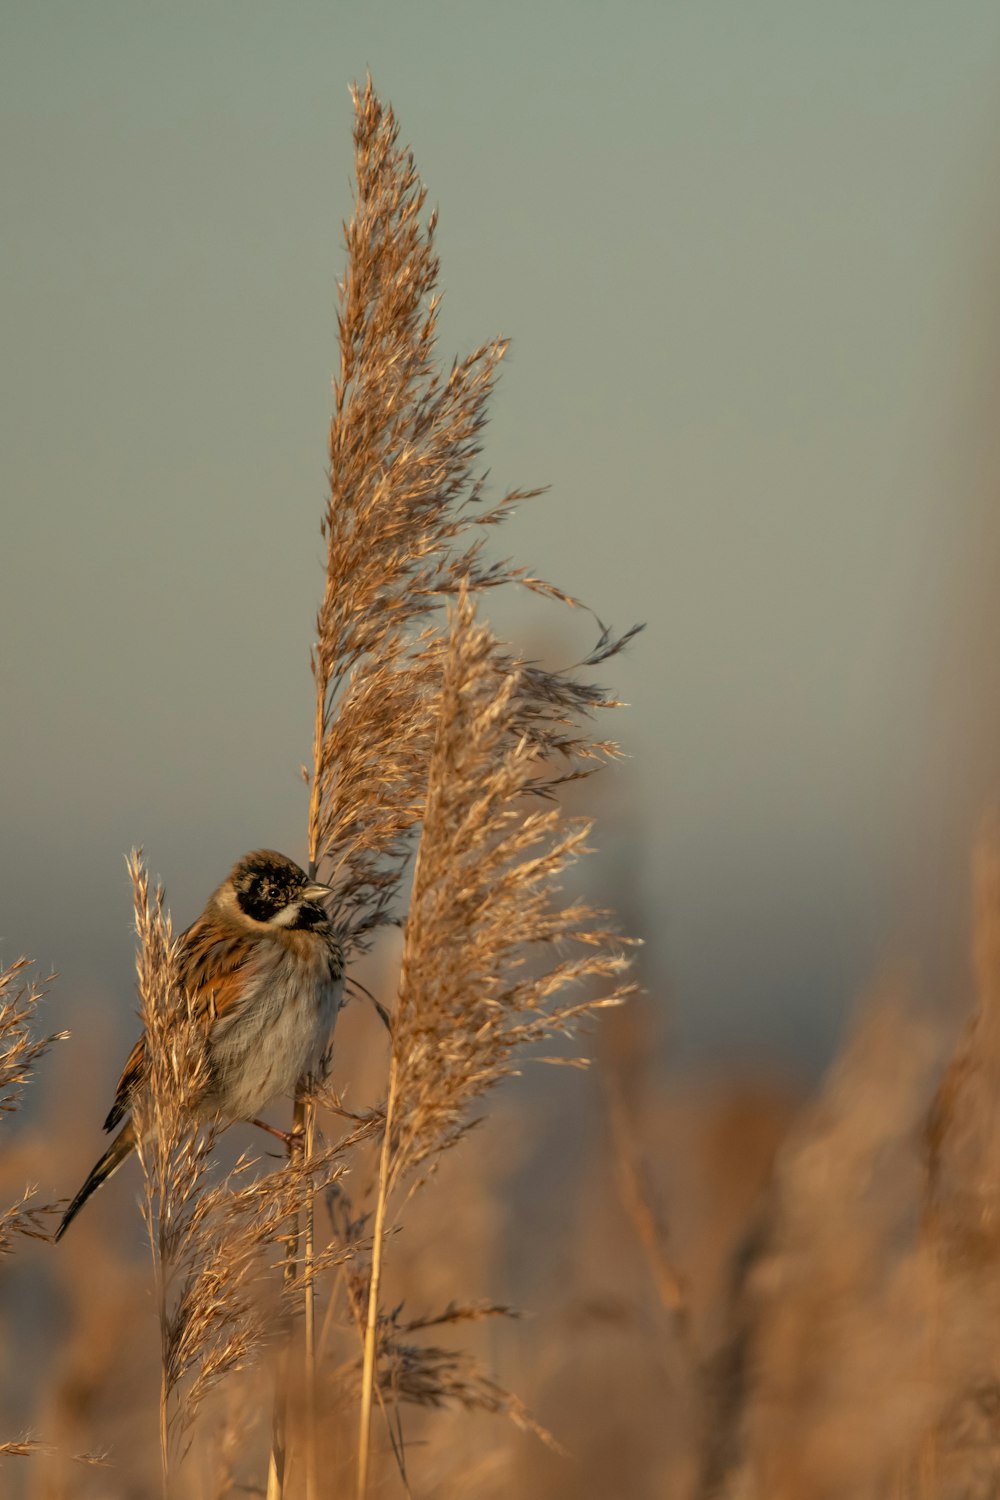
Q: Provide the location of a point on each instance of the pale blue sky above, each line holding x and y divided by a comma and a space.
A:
747, 255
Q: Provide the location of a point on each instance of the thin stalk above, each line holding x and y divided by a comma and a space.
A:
309, 1125
315, 790
161, 1295
303, 1129
278, 1462
385, 1171
371, 1323
398, 1446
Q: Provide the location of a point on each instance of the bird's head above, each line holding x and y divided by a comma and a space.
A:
271, 889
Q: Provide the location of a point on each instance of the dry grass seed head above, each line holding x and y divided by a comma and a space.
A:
485, 902
173, 1149
20, 1052
405, 530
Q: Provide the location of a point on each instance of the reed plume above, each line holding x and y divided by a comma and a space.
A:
405, 528
489, 949
20, 1052
405, 525
493, 960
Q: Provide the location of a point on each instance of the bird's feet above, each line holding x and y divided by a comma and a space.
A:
291, 1139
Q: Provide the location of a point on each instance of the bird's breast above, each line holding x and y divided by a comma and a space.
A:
277, 1034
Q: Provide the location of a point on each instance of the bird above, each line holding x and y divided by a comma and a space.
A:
264, 972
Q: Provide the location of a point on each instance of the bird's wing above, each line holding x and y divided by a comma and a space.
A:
212, 964
132, 1075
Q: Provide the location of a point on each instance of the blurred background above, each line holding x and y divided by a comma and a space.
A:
747, 256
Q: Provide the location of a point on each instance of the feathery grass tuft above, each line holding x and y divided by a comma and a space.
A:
491, 953
20, 1053
405, 527
490, 950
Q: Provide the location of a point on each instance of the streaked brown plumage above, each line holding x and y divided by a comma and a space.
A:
265, 973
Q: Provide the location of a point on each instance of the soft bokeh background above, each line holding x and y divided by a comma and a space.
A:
747, 256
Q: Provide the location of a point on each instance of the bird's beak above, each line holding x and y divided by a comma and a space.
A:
316, 892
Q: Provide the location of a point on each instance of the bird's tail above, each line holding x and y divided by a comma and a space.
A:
120, 1148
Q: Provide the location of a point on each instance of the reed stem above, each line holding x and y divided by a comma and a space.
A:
309, 1127
164, 1391
278, 1462
371, 1323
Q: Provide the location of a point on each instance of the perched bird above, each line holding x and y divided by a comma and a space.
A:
265, 973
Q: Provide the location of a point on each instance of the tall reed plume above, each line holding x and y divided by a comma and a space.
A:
405, 526
491, 954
